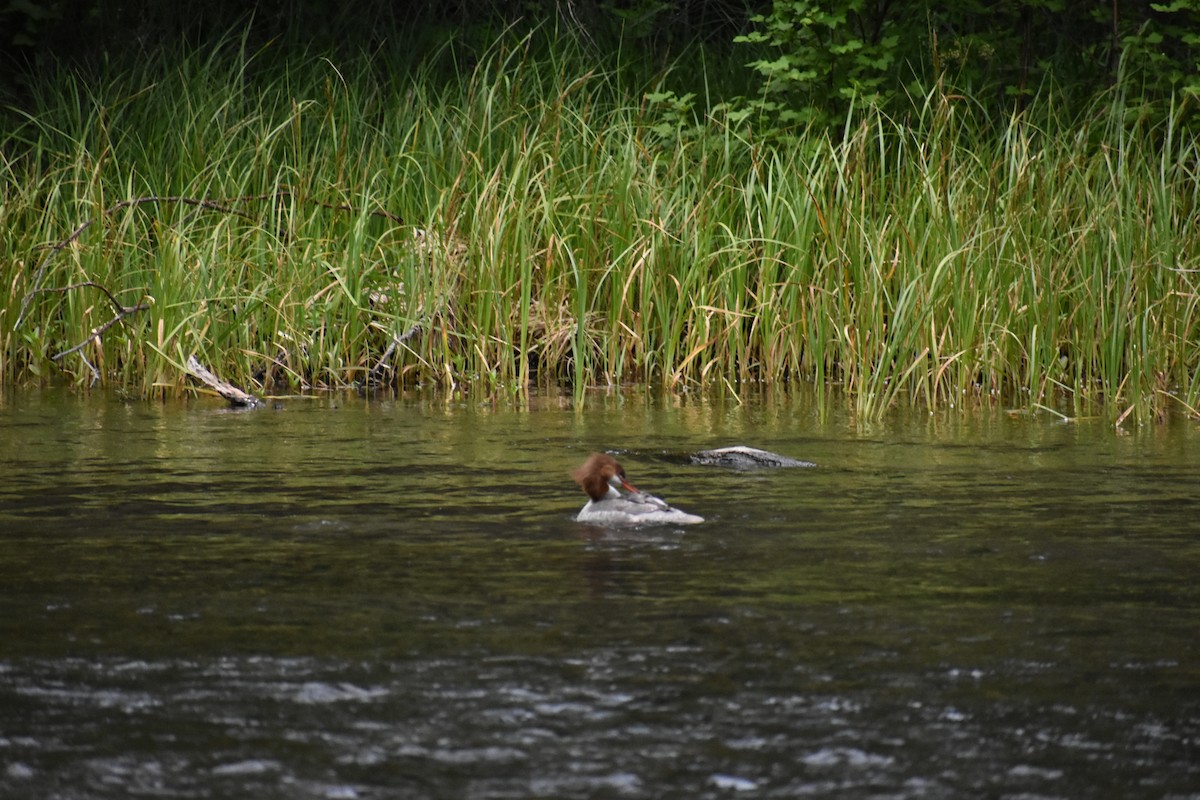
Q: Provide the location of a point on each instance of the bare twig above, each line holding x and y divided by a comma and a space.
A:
116, 303
383, 365
123, 311
56, 248
99, 330
223, 206
95, 372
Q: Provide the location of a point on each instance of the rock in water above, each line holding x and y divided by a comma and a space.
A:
742, 457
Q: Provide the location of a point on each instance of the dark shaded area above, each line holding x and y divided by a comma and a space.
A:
1001, 53
95, 35
90, 29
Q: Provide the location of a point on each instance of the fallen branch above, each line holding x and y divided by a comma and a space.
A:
375, 376
233, 394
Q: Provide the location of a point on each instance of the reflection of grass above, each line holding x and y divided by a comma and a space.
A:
551, 234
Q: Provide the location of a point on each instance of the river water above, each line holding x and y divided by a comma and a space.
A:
365, 598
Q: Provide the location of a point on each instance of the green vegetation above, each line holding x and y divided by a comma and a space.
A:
532, 216
816, 58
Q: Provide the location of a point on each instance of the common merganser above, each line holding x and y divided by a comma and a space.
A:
601, 476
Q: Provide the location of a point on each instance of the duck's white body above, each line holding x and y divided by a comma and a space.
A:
634, 509
602, 478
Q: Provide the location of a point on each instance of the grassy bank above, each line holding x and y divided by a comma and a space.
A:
527, 217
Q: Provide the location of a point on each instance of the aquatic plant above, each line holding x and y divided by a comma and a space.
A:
526, 216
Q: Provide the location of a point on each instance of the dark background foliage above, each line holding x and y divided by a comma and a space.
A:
802, 62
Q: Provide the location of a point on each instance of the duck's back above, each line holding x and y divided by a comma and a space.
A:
634, 510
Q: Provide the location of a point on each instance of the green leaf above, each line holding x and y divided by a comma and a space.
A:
1170, 8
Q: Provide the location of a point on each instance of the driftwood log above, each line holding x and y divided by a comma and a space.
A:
233, 394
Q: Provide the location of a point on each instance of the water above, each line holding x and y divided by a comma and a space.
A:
390, 599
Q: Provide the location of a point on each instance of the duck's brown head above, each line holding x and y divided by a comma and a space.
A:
600, 472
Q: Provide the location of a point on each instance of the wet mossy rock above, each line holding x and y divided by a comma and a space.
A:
743, 457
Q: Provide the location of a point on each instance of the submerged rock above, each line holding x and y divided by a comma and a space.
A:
742, 457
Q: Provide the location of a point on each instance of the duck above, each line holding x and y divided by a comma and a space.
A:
602, 477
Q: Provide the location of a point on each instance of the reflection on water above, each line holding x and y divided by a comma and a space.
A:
361, 599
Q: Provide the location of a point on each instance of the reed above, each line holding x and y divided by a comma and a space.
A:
530, 219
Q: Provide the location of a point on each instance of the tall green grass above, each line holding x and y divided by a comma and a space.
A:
525, 217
